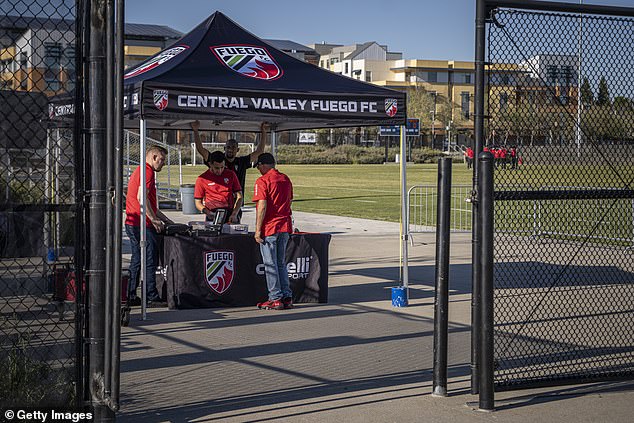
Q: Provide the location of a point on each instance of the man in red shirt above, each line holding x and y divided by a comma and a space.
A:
218, 188
155, 220
239, 164
273, 193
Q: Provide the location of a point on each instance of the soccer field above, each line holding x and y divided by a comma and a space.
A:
365, 191
373, 192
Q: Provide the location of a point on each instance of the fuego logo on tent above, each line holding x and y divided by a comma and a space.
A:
161, 98
251, 61
161, 58
219, 270
391, 106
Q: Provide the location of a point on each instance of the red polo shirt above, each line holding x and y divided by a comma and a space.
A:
217, 191
277, 190
132, 206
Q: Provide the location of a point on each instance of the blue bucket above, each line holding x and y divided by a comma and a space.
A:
399, 297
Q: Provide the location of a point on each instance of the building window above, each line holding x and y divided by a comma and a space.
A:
552, 74
567, 75
464, 102
368, 76
68, 66
24, 78
467, 78
504, 101
52, 65
345, 68
432, 76
321, 63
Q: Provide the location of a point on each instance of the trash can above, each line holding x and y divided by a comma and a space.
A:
187, 199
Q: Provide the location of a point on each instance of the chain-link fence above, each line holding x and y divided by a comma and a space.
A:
170, 179
40, 352
560, 98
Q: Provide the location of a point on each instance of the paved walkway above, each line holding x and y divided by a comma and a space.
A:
355, 359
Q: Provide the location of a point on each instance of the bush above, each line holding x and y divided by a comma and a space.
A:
347, 154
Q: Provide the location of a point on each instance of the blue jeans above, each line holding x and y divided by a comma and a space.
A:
134, 234
273, 251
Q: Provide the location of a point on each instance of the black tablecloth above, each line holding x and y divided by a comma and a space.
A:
227, 270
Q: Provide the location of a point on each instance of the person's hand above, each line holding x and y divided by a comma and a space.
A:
209, 213
233, 218
158, 225
258, 238
265, 127
195, 125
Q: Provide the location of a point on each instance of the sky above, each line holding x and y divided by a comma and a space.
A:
420, 29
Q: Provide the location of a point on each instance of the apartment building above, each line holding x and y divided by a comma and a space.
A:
448, 82
38, 55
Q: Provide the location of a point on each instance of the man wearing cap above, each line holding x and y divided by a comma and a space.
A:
273, 193
232, 162
218, 188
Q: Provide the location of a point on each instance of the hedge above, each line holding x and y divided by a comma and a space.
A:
348, 154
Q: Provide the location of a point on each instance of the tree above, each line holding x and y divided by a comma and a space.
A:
587, 96
420, 104
603, 95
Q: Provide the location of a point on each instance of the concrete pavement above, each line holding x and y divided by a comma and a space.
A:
355, 359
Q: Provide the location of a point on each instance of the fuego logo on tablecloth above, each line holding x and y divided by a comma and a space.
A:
161, 97
391, 106
251, 61
219, 270
154, 62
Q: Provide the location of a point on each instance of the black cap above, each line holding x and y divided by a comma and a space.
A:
265, 158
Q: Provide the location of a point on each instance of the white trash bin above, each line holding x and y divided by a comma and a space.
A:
187, 199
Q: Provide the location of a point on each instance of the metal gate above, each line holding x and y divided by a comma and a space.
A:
559, 101
40, 210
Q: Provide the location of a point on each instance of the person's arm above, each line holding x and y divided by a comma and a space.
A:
149, 211
163, 217
236, 207
201, 208
259, 220
264, 133
199, 145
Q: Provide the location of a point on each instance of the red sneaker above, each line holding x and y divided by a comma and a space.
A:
288, 302
271, 305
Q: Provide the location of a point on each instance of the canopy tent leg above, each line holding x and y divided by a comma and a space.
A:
404, 215
142, 228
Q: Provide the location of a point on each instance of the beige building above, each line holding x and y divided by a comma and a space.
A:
448, 82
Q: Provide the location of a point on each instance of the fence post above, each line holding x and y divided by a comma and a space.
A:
485, 200
441, 303
478, 121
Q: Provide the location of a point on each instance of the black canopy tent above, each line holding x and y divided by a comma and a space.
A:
231, 80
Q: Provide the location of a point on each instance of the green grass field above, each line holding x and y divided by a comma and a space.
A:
365, 191
373, 192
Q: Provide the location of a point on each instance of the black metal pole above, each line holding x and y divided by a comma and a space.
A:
107, 322
118, 205
96, 195
78, 143
487, 402
475, 231
441, 303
